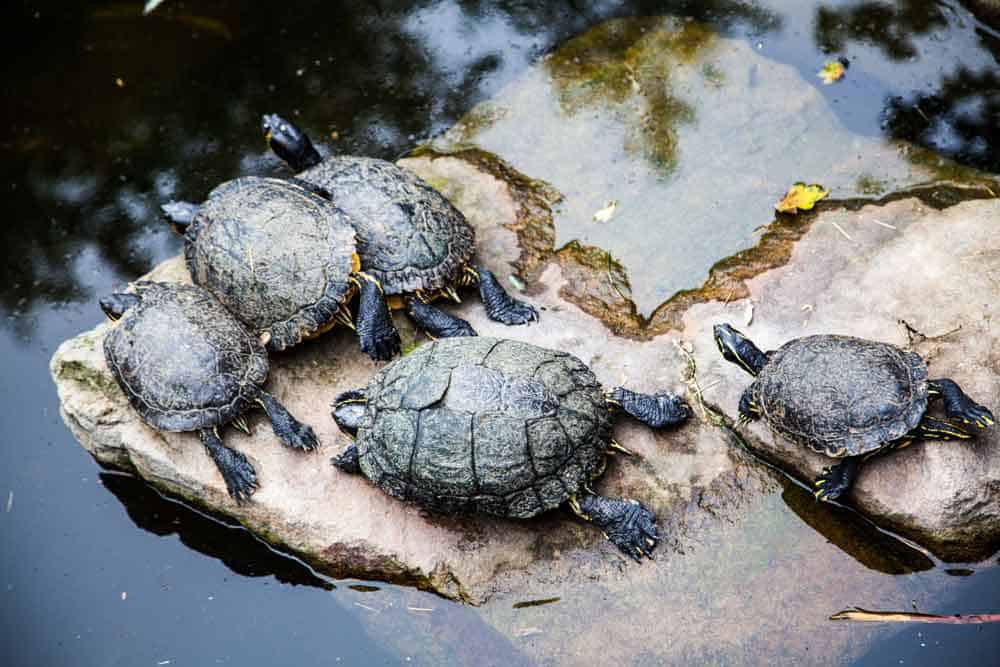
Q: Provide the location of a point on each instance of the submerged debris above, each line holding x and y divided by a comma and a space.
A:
865, 615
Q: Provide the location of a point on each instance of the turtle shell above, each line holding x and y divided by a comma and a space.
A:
484, 425
842, 396
182, 360
277, 255
410, 237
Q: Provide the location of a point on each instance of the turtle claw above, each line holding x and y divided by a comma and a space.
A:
625, 522
241, 480
239, 475
832, 483
957, 405
500, 306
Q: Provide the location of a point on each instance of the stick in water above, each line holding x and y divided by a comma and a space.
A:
859, 614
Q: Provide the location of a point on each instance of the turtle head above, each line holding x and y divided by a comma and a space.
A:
115, 305
737, 348
348, 409
289, 142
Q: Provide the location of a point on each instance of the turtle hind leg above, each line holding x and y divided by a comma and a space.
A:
348, 460
500, 306
627, 523
436, 322
930, 428
376, 332
653, 410
239, 475
836, 480
288, 429
958, 405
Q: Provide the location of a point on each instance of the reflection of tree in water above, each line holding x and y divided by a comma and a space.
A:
233, 545
888, 26
118, 112
961, 119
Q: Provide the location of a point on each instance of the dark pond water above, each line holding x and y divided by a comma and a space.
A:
108, 113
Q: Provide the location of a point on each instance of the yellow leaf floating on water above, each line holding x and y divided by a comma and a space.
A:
801, 197
605, 213
832, 71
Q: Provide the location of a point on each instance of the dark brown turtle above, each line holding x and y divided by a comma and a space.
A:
499, 427
411, 239
186, 364
848, 398
283, 260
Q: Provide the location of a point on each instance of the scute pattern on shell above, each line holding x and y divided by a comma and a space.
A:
484, 425
182, 360
276, 255
842, 396
410, 237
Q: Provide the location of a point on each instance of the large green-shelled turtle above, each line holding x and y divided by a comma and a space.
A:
499, 427
186, 364
410, 237
847, 398
283, 260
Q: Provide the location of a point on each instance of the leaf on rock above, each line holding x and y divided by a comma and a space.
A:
801, 197
605, 213
832, 71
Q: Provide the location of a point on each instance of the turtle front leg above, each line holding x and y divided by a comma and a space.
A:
348, 460
289, 430
749, 410
653, 410
836, 480
500, 306
376, 332
239, 475
624, 521
958, 405
436, 322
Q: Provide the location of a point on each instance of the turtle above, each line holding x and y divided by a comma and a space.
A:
284, 261
410, 237
501, 427
847, 398
186, 364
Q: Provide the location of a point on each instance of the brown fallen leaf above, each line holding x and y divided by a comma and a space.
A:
865, 615
831, 72
801, 197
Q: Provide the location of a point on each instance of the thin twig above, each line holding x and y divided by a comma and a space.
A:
841, 230
865, 615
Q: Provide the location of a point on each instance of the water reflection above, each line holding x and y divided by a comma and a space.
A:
233, 545
960, 119
891, 27
854, 535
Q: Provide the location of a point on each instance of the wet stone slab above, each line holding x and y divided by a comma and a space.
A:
684, 129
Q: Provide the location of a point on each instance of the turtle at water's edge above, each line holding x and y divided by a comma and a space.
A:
283, 260
414, 242
186, 364
499, 427
847, 398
